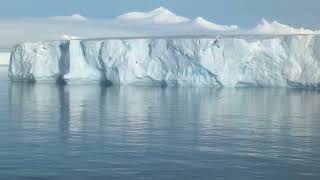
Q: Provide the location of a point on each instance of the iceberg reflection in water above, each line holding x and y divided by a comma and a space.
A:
88, 131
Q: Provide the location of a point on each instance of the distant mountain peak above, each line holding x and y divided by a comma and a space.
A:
274, 27
263, 21
161, 10
159, 15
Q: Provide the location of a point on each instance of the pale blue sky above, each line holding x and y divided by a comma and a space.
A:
245, 13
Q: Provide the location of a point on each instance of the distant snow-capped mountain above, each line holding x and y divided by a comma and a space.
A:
274, 27
159, 15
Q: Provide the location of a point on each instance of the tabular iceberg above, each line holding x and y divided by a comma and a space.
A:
225, 61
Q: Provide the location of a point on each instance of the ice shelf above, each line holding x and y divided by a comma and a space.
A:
217, 61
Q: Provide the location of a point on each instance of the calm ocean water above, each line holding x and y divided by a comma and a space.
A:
92, 132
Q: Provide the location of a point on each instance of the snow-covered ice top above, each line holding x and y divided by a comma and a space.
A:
222, 61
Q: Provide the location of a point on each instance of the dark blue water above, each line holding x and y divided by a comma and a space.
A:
93, 132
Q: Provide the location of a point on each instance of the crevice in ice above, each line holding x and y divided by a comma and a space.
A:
103, 70
64, 62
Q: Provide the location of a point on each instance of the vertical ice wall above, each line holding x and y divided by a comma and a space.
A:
264, 61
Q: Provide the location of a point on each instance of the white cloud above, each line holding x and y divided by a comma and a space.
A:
74, 17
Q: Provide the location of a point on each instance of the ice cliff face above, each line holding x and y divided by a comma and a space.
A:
277, 61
